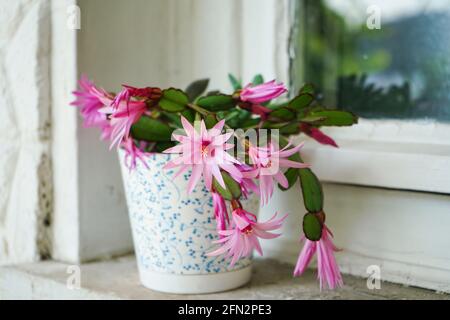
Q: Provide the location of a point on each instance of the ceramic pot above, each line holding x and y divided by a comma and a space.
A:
173, 231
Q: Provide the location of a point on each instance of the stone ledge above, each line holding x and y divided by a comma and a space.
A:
118, 279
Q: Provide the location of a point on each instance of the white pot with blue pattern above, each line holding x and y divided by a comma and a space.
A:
173, 231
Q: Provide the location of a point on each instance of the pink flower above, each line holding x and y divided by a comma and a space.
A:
263, 92
91, 99
113, 115
133, 153
122, 118
267, 163
220, 212
124, 112
327, 268
247, 184
240, 240
123, 95
204, 152
106, 131
317, 135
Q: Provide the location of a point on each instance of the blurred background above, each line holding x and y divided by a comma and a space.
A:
386, 188
399, 71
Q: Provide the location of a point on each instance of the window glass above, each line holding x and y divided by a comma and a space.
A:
378, 58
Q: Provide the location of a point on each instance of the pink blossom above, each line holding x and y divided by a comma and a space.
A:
116, 121
267, 164
91, 99
263, 92
204, 152
123, 95
247, 184
122, 118
327, 267
317, 135
124, 112
243, 236
106, 131
133, 153
220, 212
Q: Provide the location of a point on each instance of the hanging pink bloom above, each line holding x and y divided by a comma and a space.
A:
220, 212
122, 118
124, 112
317, 135
267, 164
263, 92
106, 131
133, 153
327, 267
240, 240
113, 115
204, 152
123, 96
91, 99
247, 184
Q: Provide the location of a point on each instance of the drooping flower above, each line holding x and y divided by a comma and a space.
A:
240, 240
247, 184
123, 96
133, 153
106, 131
220, 212
204, 152
317, 135
91, 99
122, 118
267, 166
327, 268
124, 112
113, 115
263, 92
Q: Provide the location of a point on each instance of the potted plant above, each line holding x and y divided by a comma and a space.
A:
195, 167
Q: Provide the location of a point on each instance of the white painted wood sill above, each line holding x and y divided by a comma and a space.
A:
118, 279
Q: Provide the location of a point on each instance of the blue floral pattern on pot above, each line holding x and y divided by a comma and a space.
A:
173, 231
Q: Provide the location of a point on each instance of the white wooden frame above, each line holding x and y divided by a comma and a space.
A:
404, 155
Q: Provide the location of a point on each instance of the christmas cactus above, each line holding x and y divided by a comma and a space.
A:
239, 143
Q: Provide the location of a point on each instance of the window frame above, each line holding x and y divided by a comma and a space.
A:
251, 44
260, 44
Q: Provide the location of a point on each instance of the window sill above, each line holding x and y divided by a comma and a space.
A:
387, 164
118, 279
